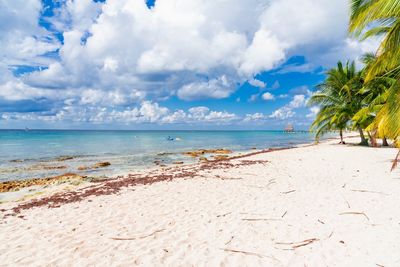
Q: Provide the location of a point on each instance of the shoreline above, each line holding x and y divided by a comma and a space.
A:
327, 203
127, 152
113, 185
15, 185
71, 187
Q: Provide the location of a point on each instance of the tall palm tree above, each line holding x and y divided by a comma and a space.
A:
339, 100
375, 95
382, 18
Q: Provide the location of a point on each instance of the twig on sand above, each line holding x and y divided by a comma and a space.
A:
306, 242
368, 191
223, 215
230, 178
284, 248
283, 215
230, 240
320, 221
288, 192
245, 252
354, 213
303, 243
331, 235
395, 161
348, 204
138, 237
272, 181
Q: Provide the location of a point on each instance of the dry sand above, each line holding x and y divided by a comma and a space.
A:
325, 205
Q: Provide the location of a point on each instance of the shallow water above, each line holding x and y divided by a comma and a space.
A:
24, 154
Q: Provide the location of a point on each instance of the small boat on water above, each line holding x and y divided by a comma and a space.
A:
289, 128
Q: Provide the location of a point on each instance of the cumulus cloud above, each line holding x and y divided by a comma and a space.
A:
22, 40
282, 113
257, 83
216, 88
298, 101
255, 57
146, 112
287, 111
268, 96
15, 90
254, 117
313, 112
121, 53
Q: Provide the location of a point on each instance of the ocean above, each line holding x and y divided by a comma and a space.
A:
45, 153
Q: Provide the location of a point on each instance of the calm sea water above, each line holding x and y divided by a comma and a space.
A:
23, 154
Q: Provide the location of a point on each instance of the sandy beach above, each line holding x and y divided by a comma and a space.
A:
319, 205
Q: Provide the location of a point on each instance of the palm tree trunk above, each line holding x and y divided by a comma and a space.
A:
341, 137
372, 140
364, 141
384, 141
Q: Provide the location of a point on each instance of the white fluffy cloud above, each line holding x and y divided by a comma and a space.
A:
298, 101
257, 83
126, 40
282, 113
268, 96
146, 112
16, 90
120, 53
216, 88
287, 111
313, 112
22, 40
254, 117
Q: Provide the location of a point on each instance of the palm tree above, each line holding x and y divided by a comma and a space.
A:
382, 18
374, 93
378, 18
339, 100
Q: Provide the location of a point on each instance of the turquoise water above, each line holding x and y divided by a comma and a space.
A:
24, 153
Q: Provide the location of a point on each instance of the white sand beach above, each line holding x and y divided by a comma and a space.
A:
323, 205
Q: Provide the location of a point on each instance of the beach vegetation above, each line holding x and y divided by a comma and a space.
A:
367, 100
339, 100
381, 19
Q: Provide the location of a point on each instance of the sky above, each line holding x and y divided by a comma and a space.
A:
168, 64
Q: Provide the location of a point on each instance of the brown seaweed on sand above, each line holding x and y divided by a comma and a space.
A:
115, 185
200, 152
95, 166
17, 185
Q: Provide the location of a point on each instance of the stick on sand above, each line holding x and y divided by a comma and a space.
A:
138, 237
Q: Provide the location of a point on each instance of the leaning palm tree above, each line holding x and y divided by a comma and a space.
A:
374, 95
338, 99
372, 18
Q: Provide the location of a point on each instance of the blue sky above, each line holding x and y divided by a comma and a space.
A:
167, 64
